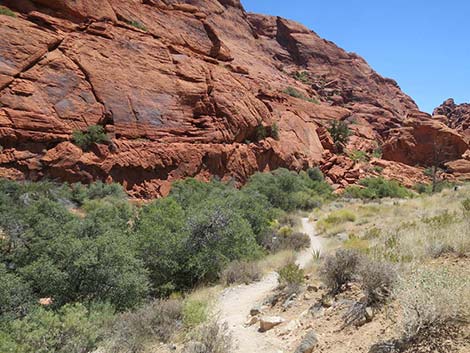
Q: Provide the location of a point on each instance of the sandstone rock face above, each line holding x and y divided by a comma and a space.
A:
455, 116
424, 141
182, 87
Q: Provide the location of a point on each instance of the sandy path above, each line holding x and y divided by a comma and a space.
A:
235, 304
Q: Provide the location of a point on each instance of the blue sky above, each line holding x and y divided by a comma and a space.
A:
423, 45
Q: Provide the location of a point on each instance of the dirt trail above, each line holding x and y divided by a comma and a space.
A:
235, 304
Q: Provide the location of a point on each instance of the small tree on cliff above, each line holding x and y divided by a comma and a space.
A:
339, 131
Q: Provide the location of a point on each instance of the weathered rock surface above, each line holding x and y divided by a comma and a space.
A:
456, 116
424, 141
182, 88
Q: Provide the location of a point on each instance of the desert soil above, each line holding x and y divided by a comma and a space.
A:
235, 303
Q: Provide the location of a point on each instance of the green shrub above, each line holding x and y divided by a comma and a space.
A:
275, 131
282, 187
302, 76
138, 25
195, 312
94, 134
291, 274
6, 11
339, 131
217, 236
358, 156
377, 188
315, 174
377, 153
293, 92
73, 329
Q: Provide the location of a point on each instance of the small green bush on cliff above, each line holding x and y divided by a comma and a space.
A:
94, 134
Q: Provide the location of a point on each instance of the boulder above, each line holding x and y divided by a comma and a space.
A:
266, 323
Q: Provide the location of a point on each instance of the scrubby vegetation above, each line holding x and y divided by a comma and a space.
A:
410, 256
377, 188
339, 131
294, 92
94, 134
6, 11
93, 258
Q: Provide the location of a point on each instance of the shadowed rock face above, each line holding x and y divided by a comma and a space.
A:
182, 87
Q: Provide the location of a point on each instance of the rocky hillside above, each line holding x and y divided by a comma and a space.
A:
196, 88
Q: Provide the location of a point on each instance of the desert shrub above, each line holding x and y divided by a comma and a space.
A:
96, 191
195, 312
315, 174
72, 329
378, 280
210, 338
160, 232
466, 206
377, 153
377, 188
132, 331
340, 268
138, 25
216, 237
432, 299
294, 92
15, 295
340, 133
239, 272
6, 11
291, 274
295, 241
358, 156
282, 187
93, 134
275, 131
302, 76
260, 132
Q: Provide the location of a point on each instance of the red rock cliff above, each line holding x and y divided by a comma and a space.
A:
182, 88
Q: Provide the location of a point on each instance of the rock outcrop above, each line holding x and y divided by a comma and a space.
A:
456, 116
183, 88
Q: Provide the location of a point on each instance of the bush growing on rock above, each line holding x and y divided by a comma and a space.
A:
339, 131
93, 134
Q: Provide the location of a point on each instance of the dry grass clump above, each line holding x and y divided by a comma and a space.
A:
433, 298
378, 280
239, 272
210, 338
133, 331
335, 221
340, 268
